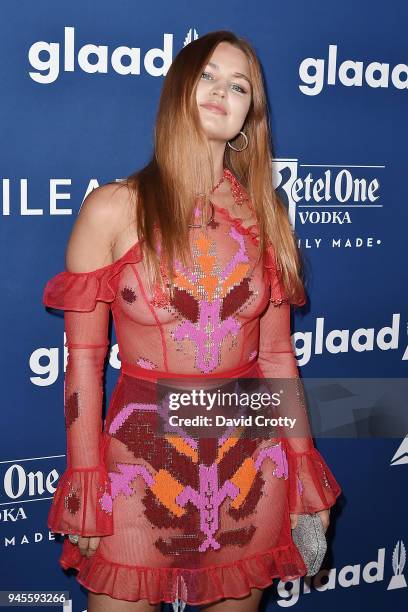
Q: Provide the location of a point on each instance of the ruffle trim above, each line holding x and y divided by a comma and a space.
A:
312, 486
251, 230
278, 295
80, 291
193, 586
77, 505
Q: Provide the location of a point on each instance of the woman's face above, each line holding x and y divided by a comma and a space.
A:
224, 93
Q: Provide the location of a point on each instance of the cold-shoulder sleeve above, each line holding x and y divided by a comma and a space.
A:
85, 298
312, 486
76, 507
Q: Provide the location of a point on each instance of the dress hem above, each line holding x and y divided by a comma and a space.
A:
72, 558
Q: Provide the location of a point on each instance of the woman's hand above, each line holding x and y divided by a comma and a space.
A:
88, 546
324, 516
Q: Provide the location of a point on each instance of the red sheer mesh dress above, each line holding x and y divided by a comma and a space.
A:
182, 518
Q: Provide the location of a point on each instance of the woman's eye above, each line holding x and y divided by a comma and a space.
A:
239, 88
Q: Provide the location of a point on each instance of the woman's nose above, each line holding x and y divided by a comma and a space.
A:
220, 88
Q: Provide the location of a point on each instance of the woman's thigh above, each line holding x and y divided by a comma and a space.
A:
99, 602
245, 604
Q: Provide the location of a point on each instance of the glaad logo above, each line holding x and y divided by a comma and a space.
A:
346, 577
350, 73
47, 70
401, 456
398, 563
192, 34
336, 341
124, 60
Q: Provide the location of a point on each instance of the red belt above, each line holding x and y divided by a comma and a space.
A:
136, 371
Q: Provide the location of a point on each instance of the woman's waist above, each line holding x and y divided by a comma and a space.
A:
246, 369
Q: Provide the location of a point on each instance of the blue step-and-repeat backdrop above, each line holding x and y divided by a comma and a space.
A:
337, 82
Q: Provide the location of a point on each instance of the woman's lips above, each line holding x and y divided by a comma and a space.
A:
215, 108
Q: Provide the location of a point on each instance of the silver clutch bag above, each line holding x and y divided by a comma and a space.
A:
310, 539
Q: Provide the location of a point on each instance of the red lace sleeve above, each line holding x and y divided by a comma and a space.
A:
85, 297
312, 486
278, 294
80, 291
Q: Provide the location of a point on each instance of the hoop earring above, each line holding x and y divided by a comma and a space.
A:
246, 143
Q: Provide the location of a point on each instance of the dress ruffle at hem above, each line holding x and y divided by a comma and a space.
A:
193, 586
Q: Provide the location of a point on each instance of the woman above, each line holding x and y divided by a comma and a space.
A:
199, 269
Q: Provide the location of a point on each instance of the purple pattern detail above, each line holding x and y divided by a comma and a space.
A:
146, 363
208, 497
299, 485
239, 257
210, 331
207, 356
208, 500
120, 482
125, 413
278, 455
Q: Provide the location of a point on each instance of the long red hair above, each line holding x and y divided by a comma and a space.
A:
180, 171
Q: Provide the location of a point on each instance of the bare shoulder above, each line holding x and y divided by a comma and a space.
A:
105, 214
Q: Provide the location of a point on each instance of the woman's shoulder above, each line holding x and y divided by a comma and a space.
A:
91, 264
103, 222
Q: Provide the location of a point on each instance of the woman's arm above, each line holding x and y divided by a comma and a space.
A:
77, 505
312, 487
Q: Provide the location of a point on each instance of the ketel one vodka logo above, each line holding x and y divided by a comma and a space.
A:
327, 194
398, 563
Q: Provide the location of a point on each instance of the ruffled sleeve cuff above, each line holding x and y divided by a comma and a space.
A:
81, 503
80, 291
312, 486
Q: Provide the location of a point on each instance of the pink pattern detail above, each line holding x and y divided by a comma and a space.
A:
278, 455
209, 332
239, 257
208, 500
146, 363
121, 482
125, 413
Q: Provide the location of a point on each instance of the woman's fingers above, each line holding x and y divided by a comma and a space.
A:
293, 521
325, 518
83, 545
93, 545
88, 546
